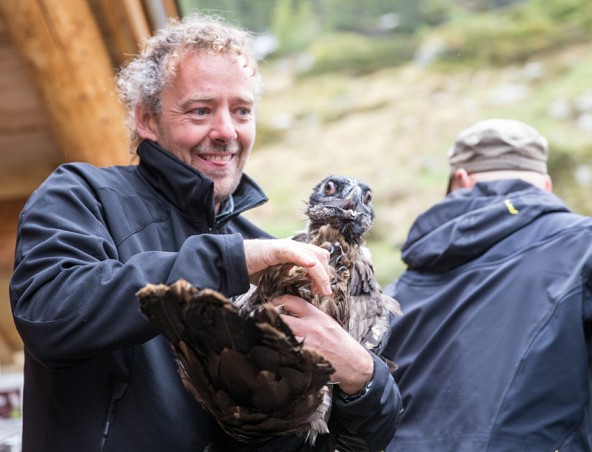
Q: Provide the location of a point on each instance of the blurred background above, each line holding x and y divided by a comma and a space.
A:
380, 89
376, 90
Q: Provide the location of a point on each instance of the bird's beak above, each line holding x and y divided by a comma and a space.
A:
351, 204
354, 200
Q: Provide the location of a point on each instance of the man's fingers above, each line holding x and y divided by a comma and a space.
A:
319, 274
317, 267
261, 254
293, 305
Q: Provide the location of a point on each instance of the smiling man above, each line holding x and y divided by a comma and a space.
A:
206, 118
98, 377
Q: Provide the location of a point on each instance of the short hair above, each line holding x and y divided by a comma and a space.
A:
142, 80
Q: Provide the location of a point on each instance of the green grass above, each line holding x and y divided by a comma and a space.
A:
393, 127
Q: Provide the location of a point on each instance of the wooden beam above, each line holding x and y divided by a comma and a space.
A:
159, 11
171, 8
29, 149
124, 25
9, 338
136, 14
67, 59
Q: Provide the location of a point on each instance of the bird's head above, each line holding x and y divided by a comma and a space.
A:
345, 204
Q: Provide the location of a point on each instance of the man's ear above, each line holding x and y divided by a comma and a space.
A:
461, 179
146, 124
548, 184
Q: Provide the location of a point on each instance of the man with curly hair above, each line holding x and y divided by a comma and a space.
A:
98, 377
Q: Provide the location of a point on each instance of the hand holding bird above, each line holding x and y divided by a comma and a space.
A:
320, 333
261, 373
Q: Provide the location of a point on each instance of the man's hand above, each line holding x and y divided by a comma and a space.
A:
353, 364
260, 254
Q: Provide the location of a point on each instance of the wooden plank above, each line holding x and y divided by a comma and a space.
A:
9, 213
124, 25
159, 11
171, 8
137, 18
69, 64
10, 341
28, 149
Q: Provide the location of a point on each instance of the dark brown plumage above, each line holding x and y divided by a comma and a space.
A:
248, 371
339, 213
241, 361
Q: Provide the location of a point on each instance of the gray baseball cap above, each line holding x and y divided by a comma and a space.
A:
498, 145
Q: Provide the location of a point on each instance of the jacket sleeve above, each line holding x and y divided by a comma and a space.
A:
73, 295
368, 422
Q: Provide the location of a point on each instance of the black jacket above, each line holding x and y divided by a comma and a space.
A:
494, 344
97, 376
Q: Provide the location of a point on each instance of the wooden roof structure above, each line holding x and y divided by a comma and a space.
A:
58, 102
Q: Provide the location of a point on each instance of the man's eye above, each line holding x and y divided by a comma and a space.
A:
200, 111
244, 111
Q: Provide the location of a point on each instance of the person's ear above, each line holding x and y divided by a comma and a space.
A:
146, 124
548, 183
462, 179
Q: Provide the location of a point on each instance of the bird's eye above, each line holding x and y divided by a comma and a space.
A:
329, 188
368, 197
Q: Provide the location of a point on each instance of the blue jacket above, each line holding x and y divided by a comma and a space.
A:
494, 345
97, 375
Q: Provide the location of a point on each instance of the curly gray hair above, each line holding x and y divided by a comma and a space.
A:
143, 79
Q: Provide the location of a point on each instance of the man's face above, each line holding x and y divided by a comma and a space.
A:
207, 118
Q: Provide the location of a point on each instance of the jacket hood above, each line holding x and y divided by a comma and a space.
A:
189, 190
469, 221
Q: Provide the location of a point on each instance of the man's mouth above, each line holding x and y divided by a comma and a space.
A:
217, 157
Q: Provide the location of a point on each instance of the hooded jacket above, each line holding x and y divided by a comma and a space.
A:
494, 345
98, 377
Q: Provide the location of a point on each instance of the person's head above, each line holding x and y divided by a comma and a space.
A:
193, 89
498, 149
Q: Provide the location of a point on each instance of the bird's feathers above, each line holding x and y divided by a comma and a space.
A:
371, 309
248, 371
241, 361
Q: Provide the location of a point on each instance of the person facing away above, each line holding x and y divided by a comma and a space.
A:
98, 377
494, 345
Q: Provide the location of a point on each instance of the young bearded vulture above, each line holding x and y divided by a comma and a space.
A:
241, 361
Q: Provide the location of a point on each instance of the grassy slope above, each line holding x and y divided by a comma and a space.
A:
392, 129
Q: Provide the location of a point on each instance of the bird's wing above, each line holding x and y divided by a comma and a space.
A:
248, 371
370, 308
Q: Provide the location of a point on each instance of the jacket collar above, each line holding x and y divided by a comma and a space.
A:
469, 221
190, 191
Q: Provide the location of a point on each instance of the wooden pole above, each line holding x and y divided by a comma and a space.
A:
68, 62
127, 26
10, 341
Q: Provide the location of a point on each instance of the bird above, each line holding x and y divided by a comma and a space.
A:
238, 357
339, 213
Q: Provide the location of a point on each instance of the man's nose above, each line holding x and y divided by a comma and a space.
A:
223, 129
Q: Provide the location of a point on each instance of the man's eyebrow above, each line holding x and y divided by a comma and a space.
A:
195, 99
207, 99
